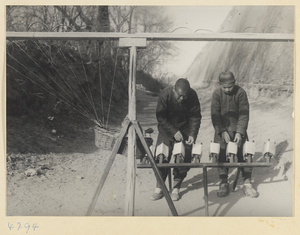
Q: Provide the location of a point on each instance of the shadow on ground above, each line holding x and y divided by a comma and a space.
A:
261, 175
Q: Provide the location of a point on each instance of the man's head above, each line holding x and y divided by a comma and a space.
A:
227, 81
181, 89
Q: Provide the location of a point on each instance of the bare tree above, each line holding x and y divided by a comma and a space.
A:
145, 19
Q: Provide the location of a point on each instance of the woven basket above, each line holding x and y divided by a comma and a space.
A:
104, 139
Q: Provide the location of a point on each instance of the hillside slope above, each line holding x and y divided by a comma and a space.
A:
254, 63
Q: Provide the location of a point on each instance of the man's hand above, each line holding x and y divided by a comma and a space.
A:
190, 140
238, 139
178, 136
225, 137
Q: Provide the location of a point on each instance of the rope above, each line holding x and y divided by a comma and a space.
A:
100, 80
66, 102
41, 69
66, 96
91, 101
66, 82
78, 82
112, 87
63, 98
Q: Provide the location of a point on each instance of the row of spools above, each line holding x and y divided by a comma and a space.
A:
162, 151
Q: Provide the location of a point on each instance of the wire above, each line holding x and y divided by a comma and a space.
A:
76, 77
62, 77
64, 98
100, 80
85, 74
42, 70
112, 87
65, 101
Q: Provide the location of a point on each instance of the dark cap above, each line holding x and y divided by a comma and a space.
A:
226, 78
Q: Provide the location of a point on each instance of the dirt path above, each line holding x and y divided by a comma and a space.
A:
66, 181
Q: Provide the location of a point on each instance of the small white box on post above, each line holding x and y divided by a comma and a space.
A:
178, 153
231, 151
196, 153
269, 150
248, 151
129, 42
214, 152
162, 153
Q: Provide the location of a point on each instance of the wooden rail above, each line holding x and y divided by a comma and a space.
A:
250, 37
200, 165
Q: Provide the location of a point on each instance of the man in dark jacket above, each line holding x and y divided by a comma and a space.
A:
230, 117
179, 116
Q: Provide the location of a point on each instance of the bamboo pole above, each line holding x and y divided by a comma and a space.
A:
250, 37
131, 164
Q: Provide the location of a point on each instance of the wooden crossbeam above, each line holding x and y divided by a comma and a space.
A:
250, 37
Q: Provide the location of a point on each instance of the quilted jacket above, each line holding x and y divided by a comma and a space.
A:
173, 116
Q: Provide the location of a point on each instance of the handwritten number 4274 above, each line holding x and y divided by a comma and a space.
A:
19, 226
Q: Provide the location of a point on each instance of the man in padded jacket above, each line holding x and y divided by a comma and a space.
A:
179, 116
230, 117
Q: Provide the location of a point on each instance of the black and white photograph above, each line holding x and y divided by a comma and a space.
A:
149, 110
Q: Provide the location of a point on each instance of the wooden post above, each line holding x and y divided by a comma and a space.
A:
131, 163
170, 179
236, 179
205, 190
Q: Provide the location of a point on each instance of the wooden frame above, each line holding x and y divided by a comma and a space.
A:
133, 41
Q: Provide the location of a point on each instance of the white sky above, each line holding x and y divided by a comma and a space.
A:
193, 18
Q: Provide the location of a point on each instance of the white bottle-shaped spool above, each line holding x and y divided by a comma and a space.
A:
231, 148
214, 148
196, 153
214, 152
248, 151
197, 149
178, 148
162, 149
178, 152
249, 148
270, 148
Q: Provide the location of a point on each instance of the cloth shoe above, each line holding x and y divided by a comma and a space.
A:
175, 194
223, 190
249, 191
158, 194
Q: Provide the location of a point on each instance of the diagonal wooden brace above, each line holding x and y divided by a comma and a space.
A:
108, 166
155, 168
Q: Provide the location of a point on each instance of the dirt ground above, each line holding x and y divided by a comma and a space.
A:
56, 174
